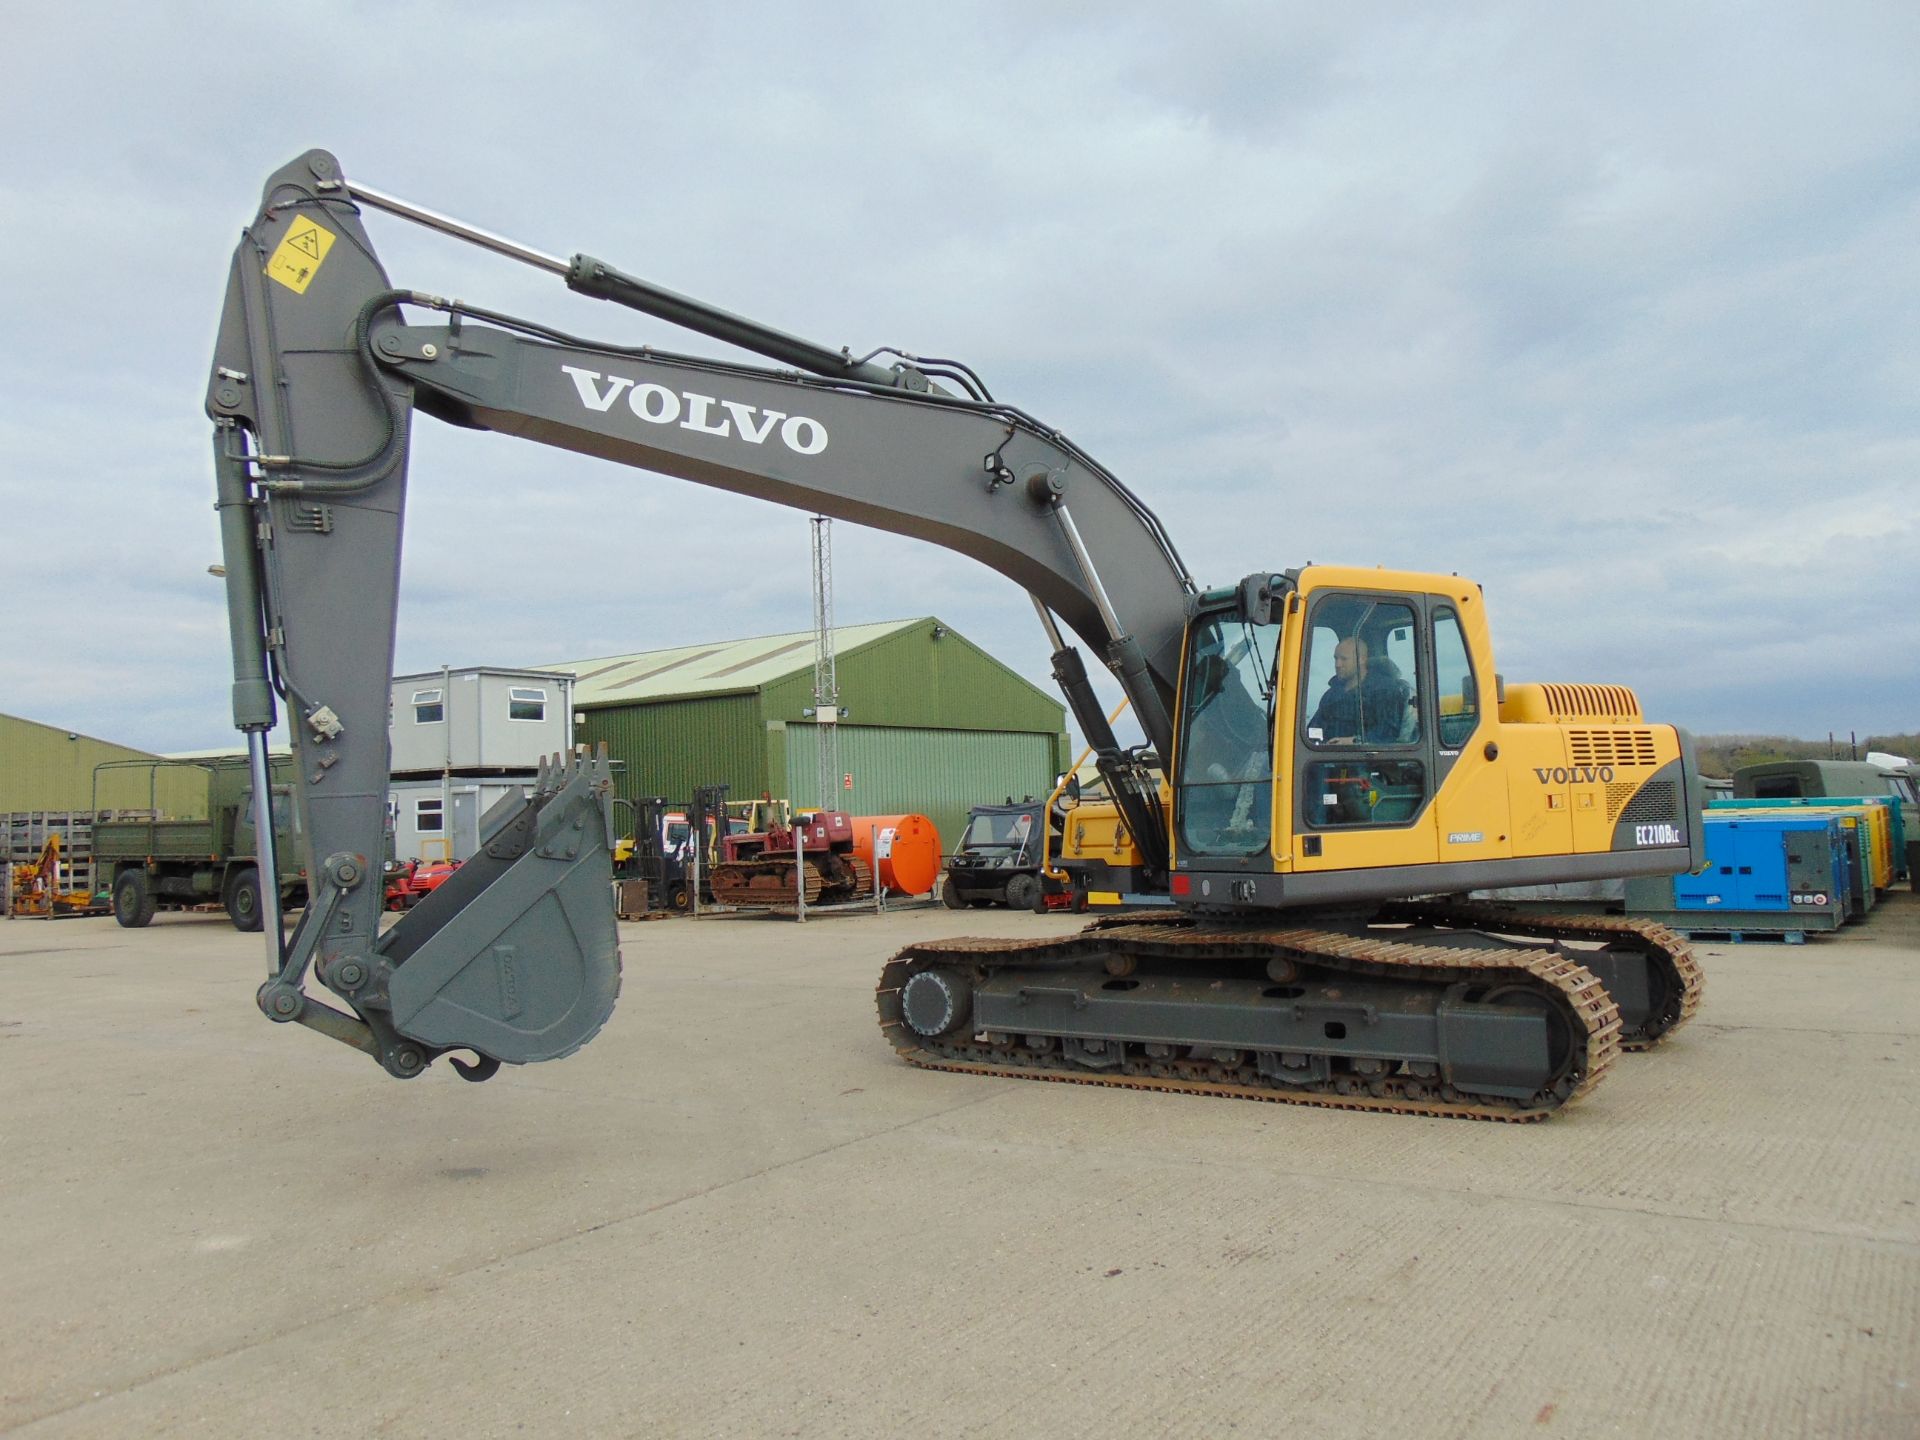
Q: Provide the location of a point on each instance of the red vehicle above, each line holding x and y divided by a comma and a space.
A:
407, 882
757, 868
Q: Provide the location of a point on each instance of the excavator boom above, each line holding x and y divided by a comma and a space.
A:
317, 374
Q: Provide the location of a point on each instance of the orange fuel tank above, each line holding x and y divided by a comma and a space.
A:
904, 851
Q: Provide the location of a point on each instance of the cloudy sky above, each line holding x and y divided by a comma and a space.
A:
1615, 309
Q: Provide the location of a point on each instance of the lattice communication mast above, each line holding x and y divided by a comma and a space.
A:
826, 687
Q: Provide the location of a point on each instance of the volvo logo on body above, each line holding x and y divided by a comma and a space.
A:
1575, 775
657, 405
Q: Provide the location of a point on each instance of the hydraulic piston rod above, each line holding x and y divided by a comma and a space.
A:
589, 276
459, 229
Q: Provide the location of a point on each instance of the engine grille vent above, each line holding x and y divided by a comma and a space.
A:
1658, 801
1623, 746
1592, 702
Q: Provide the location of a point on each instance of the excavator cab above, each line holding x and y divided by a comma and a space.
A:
1336, 745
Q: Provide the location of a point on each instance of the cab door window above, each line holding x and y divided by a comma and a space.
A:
1363, 737
1453, 681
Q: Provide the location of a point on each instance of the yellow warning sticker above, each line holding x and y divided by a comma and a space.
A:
298, 257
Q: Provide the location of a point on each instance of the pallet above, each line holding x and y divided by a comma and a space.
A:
1790, 927
1741, 937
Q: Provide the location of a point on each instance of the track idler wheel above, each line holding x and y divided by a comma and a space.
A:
936, 1003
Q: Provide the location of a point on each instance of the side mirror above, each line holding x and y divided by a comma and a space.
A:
1260, 598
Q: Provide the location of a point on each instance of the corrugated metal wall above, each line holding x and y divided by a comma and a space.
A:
41, 769
937, 773
911, 679
670, 747
938, 727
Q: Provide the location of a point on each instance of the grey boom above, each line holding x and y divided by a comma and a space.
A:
315, 377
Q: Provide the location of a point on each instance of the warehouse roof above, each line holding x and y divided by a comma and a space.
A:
58, 730
720, 667
277, 752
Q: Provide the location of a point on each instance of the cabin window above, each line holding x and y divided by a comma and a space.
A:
1226, 750
526, 703
1361, 709
429, 707
1362, 674
1453, 680
429, 815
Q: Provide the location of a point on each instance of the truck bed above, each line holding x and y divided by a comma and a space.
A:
158, 839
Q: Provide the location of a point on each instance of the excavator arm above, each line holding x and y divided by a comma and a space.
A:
317, 373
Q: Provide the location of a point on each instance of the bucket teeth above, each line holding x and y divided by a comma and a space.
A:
561, 769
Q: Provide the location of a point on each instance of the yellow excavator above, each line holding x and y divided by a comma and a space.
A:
36, 886
1342, 759
1090, 855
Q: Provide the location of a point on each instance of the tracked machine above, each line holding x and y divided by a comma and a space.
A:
810, 855
1341, 755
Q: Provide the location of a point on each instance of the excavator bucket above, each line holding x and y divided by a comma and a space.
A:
516, 956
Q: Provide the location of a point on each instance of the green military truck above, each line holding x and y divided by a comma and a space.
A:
205, 859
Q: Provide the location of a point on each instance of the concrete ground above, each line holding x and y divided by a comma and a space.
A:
736, 1214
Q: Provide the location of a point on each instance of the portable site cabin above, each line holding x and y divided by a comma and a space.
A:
462, 741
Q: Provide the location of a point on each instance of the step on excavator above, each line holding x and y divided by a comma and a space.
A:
1343, 759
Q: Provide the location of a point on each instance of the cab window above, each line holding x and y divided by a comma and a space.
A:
1363, 670
1453, 681
1362, 680
281, 804
1226, 744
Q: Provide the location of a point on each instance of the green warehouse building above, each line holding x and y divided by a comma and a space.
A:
931, 724
44, 768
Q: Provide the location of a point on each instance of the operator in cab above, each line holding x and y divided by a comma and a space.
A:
1364, 703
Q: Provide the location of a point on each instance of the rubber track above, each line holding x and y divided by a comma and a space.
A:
1664, 947
1583, 999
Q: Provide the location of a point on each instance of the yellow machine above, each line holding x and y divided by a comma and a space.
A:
1096, 861
1554, 771
1099, 861
36, 886
1394, 744
1088, 851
